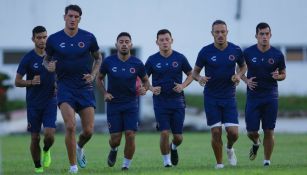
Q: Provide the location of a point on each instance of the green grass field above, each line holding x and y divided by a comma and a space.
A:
196, 156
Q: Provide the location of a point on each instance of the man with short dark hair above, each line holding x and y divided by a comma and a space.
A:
69, 53
266, 66
219, 60
166, 68
122, 70
41, 98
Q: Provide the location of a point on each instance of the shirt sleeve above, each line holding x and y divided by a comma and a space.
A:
49, 49
142, 71
186, 67
200, 61
103, 68
94, 45
240, 60
22, 67
148, 67
282, 64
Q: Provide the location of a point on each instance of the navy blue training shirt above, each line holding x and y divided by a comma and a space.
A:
39, 95
122, 77
220, 66
73, 55
261, 65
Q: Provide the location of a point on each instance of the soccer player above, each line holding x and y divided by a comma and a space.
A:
122, 70
266, 66
40, 98
69, 53
166, 68
219, 60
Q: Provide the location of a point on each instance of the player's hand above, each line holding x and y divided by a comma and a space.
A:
236, 79
275, 74
108, 97
51, 66
36, 80
251, 84
142, 90
178, 87
156, 90
203, 80
88, 78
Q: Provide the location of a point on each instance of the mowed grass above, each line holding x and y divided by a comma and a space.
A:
196, 156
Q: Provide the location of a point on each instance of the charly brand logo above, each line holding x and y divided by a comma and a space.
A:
158, 65
213, 58
114, 69
62, 45
254, 59
35, 65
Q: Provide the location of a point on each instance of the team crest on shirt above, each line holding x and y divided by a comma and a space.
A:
81, 44
231, 57
132, 70
175, 64
271, 61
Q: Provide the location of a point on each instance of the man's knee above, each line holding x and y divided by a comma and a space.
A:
177, 139
35, 138
70, 128
115, 140
130, 137
216, 134
88, 132
233, 136
268, 133
49, 136
253, 134
232, 132
164, 134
